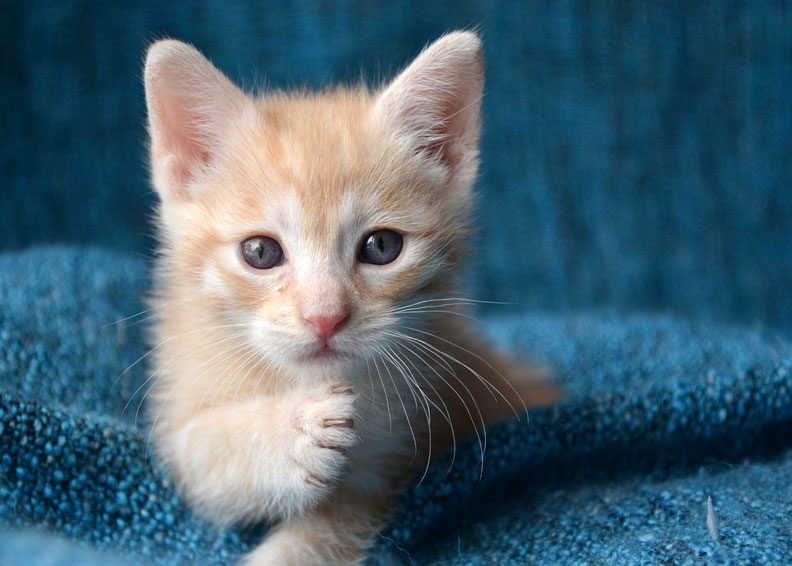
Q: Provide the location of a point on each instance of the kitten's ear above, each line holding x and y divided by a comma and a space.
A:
435, 104
191, 108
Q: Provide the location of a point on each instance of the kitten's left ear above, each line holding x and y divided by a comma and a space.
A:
192, 109
435, 104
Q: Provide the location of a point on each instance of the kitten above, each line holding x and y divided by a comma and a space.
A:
311, 354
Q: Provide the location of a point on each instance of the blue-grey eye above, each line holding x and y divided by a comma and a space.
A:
262, 252
381, 247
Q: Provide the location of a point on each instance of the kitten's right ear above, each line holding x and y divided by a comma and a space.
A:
191, 108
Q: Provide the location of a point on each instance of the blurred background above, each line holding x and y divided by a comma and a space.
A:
635, 155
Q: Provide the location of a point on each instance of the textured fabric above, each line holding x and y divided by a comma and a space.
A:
39, 549
661, 413
635, 154
635, 159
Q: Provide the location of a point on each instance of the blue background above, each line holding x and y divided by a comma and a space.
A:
635, 156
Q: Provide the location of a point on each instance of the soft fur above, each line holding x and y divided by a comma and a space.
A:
251, 421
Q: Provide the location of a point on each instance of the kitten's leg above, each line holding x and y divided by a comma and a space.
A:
336, 534
264, 458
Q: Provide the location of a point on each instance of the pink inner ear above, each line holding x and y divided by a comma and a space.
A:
453, 136
176, 142
191, 106
451, 127
179, 171
436, 102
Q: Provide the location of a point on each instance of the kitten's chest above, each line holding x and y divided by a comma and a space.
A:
393, 429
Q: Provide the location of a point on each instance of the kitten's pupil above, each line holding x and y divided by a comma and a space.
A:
262, 252
381, 247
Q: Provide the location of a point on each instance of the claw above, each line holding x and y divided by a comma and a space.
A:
340, 449
340, 423
315, 481
342, 390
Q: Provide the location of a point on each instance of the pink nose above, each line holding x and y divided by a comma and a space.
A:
327, 326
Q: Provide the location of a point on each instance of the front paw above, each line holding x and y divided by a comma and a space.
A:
323, 424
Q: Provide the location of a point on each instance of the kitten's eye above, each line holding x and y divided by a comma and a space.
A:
262, 252
381, 247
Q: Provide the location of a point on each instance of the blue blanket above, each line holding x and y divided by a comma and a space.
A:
662, 414
635, 156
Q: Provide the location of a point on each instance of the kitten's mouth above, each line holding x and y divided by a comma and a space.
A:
327, 354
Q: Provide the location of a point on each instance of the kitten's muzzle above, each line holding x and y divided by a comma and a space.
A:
327, 326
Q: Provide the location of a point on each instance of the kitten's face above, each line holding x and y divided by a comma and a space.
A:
311, 220
316, 183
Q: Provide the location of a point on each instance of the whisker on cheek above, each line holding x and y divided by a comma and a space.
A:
152, 376
383, 357
445, 412
479, 428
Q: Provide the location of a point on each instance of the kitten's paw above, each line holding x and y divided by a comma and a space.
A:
324, 426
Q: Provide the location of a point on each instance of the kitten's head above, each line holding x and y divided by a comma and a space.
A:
309, 220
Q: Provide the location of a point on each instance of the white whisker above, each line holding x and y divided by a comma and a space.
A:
193, 349
404, 370
481, 436
404, 407
233, 371
164, 403
458, 299
483, 380
447, 413
444, 412
385, 392
256, 362
406, 314
170, 339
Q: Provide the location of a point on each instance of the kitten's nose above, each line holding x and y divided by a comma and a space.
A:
327, 326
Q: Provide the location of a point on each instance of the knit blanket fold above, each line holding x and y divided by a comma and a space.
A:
661, 414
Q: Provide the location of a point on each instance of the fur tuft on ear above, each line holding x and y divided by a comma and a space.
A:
191, 108
435, 104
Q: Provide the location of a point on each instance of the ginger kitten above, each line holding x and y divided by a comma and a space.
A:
310, 350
